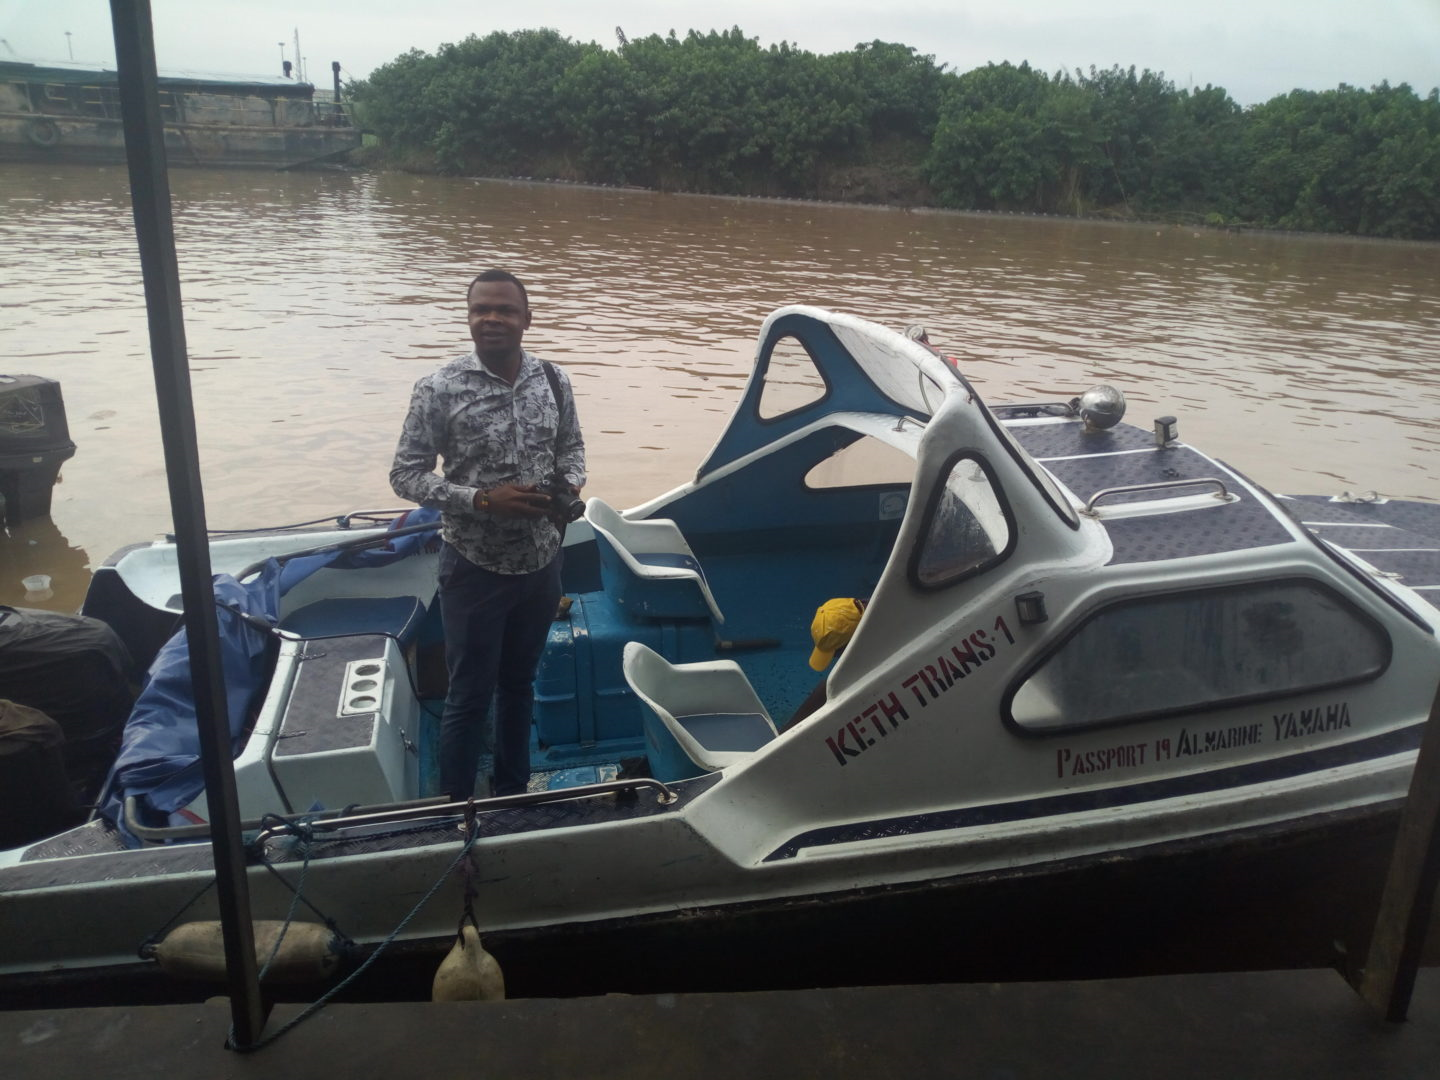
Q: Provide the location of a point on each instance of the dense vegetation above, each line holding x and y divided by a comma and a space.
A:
718, 112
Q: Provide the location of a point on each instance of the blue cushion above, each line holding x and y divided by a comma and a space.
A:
336, 615
728, 732
671, 559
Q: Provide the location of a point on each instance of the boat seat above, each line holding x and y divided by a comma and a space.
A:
648, 567
336, 616
698, 718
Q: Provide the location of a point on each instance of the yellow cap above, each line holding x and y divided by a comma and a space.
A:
833, 626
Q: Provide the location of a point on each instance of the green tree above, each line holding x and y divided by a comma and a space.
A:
717, 111
1012, 138
1345, 160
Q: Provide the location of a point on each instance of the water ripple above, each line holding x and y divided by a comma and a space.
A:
314, 300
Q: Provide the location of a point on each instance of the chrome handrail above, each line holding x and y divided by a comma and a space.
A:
1158, 486
157, 835
343, 521
368, 540
498, 802
332, 820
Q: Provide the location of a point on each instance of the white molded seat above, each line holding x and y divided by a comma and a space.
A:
649, 568
698, 717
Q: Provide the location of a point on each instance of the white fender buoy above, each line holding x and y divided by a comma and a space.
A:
309, 953
468, 972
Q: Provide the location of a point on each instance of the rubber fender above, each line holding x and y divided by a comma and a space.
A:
42, 132
468, 972
309, 953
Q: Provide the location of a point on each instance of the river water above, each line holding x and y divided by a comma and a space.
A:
314, 300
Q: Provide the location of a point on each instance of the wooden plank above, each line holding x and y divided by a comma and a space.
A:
1388, 977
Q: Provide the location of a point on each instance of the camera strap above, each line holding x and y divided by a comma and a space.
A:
553, 378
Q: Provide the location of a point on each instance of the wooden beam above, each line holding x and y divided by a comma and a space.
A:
1388, 977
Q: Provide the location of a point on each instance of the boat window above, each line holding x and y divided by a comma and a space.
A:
865, 462
967, 526
102, 101
56, 98
792, 380
1199, 650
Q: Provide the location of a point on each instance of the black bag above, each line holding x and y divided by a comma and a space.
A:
75, 670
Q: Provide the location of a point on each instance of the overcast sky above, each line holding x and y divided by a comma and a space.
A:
1255, 49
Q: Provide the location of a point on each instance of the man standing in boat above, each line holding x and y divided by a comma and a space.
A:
504, 423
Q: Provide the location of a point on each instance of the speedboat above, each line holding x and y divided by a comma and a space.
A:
1112, 708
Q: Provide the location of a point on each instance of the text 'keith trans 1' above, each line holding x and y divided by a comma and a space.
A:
917, 691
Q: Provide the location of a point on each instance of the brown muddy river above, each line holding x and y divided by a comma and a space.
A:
314, 300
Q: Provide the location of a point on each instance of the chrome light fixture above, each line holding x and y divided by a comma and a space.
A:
1101, 407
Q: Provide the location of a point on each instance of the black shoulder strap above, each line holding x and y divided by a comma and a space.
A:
553, 379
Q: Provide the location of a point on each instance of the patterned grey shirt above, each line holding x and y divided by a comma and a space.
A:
488, 433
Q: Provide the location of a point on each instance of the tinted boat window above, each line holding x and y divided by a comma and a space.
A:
967, 525
1199, 649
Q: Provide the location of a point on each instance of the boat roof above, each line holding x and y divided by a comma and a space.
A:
865, 367
59, 71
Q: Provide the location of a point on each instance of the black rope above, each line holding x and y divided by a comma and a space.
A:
303, 833
303, 837
324, 999
155, 938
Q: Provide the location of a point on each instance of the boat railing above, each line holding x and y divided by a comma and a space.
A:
332, 114
369, 540
371, 517
273, 825
1221, 493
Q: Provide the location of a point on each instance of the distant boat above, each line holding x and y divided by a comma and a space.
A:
71, 112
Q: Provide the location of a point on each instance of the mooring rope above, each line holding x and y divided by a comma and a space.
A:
302, 837
325, 998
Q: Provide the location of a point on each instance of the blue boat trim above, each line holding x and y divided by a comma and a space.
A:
1328, 757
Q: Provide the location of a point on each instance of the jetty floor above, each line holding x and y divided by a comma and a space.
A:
1254, 1024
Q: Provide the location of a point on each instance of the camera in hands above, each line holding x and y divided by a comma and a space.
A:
564, 504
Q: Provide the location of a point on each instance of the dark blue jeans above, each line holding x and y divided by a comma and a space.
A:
495, 631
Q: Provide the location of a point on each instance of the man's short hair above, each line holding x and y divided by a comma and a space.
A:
500, 275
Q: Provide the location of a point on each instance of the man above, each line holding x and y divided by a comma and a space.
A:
832, 628
504, 423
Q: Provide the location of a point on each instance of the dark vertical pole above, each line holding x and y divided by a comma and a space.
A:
335, 70
1388, 978
150, 196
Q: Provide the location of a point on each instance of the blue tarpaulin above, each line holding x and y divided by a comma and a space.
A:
159, 760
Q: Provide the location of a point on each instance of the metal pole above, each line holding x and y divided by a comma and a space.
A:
150, 196
1403, 922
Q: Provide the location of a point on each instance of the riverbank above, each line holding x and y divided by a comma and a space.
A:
910, 201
